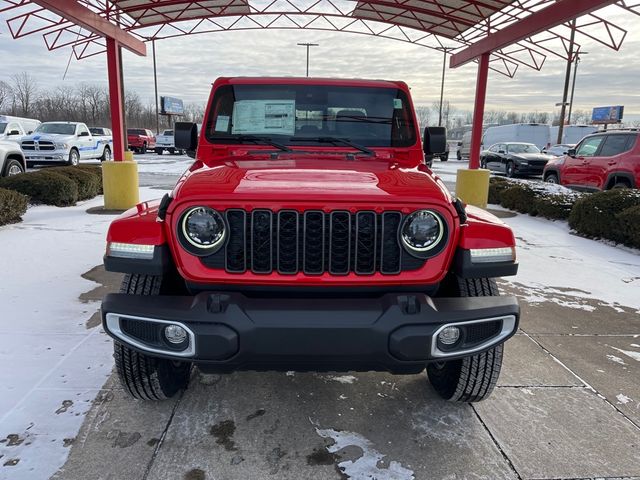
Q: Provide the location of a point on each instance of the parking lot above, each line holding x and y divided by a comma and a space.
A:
567, 405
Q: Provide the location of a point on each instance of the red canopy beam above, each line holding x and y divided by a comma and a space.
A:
557, 13
85, 18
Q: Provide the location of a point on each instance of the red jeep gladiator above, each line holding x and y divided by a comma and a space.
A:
309, 235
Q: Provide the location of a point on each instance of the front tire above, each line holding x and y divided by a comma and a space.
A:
143, 149
13, 167
144, 377
459, 155
159, 151
106, 155
552, 178
74, 158
473, 378
510, 170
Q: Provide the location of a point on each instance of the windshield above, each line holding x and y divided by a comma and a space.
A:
3, 126
303, 114
523, 148
59, 128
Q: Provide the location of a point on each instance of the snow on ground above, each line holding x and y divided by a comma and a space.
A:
164, 164
52, 365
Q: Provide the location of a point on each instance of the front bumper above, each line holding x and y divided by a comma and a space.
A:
529, 169
230, 331
46, 155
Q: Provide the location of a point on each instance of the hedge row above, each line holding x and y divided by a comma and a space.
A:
59, 186
12, 206
611, 215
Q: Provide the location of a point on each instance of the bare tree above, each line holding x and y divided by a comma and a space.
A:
25, 91
6, 95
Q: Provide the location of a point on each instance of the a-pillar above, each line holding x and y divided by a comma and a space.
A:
120, 177
472, 185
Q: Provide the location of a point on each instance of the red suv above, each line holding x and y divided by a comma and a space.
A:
140, 139
599, 162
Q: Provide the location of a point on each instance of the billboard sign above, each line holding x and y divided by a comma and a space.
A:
171, 106
604, 115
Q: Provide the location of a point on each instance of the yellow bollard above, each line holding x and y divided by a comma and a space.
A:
120, 184
472, 187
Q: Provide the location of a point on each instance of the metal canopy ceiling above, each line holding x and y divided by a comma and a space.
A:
450, 25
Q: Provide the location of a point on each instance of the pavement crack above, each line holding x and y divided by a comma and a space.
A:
495, 442
162, 437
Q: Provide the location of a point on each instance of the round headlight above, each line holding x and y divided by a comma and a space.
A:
203, 228
422, 231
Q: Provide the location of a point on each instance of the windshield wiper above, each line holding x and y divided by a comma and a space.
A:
334, 140
254, 139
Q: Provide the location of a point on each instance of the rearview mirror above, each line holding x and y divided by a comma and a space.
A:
186, 137
571, 152
435, 141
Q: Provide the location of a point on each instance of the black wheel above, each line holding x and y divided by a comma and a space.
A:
444, 157
74, 157
618, 185
172, 151
459, 155
483, 163
12, 167
106, 155
144, 148
510, 170
142, 376
551, 178
471, 379
159, 151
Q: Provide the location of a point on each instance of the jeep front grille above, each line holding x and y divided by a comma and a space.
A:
313, 242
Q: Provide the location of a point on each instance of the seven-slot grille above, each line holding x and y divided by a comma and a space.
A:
31, 145
313, 242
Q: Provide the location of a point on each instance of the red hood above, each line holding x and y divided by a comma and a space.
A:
310, 179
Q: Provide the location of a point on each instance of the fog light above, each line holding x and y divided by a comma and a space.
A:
449, 336
175, 334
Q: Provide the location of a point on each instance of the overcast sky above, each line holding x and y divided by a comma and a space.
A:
188, 65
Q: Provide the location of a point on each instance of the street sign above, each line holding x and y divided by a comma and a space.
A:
605, 115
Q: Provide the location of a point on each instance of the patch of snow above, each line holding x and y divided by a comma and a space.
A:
615, 359
623, 399
635, 345
344, 379
290, 373
629, 353
528, 391
163, 164
365, 467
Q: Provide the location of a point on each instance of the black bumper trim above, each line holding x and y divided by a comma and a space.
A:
465, 268
158, 265
311, 334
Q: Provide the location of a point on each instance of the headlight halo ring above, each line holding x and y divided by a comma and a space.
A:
435, 247
191, 245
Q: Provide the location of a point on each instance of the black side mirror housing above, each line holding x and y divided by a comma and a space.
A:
14, 132
83, 134
571, 152
501, 151
435, 141
186, 137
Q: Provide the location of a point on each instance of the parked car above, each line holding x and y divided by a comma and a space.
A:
599, 162
514, 159
12, 160
68, 142
536, 133
281, 249
559, 150
141, 139
464, 146
165, 141
14, 128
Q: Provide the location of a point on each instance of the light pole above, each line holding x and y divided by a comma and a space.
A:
445, 50
308, 45
573, 87
566, 81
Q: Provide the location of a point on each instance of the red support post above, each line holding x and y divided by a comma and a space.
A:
478, 111
116, 103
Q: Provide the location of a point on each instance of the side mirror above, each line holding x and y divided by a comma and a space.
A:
186, 137
435, 141
13, 132
571, 152
501, 151
84, 134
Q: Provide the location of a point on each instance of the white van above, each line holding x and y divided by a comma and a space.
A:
536, 133
14, 128
572, 134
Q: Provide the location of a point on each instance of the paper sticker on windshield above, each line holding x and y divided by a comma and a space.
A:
222, 123
272, 117
397, 103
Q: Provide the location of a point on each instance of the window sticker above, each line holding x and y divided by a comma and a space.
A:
397, 103
222, 123
274, 117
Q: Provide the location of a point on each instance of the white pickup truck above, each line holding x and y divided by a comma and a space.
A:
68, 142
165, 141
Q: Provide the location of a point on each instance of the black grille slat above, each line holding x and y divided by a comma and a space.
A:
314, 242
147, 332
339, 243
236, 254
480, 332
261, 241
391, 252
287, 231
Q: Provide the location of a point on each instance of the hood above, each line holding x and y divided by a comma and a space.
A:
532, 156
51, 137
314, 179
